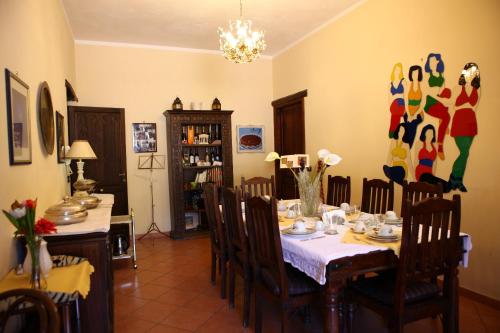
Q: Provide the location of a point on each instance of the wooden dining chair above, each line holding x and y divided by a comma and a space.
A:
23, 300
258, 186
430, 247
417, 191
273, 279
237, 248
378, 196
217, 235
339, 190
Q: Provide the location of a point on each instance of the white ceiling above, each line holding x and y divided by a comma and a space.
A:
193, 23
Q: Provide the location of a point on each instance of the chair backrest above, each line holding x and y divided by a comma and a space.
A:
265, 245
258, 186
339, 190
233, 221
216, 229
430, 244
417, 191
19, 299
378, 196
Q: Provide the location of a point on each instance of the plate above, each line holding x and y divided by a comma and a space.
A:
389, 238
293, 232
357, 232
393, 221
383, 240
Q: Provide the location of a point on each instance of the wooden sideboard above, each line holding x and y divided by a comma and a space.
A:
96, 310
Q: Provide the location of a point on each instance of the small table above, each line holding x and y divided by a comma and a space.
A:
68, 279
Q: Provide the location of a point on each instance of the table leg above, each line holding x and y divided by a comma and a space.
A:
331, 323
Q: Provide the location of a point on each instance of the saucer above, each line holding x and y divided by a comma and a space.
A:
293, 232
357, 232
397, 220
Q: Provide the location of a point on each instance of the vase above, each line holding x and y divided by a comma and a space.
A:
37, 263
309, 193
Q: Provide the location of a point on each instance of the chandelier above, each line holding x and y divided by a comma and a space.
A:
240, 44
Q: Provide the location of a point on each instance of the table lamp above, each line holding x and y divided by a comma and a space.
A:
81, 150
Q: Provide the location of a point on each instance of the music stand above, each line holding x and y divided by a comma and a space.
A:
152, 162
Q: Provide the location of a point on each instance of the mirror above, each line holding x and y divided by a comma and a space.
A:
46, 117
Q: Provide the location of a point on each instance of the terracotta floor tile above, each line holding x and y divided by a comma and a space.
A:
171, 292
154, 311
187, 319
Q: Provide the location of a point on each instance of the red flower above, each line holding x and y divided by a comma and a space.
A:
30, 203
44, 226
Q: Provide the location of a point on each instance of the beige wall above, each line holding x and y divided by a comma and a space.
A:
38, 45
146, 81
346, 68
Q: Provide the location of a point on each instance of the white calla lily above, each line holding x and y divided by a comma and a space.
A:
272, 156
332, 159
322, 153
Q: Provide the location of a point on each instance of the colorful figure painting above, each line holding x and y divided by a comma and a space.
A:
420, 122
464, 124
436, 103
399, 162
397, 104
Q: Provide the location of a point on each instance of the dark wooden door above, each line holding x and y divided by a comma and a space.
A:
289, 138
104, 128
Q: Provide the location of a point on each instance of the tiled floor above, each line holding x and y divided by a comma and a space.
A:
171, 292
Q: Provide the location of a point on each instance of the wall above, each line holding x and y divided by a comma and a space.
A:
145, 81
37, 43
346, 68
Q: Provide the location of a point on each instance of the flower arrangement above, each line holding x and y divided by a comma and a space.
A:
22, 216
309, 181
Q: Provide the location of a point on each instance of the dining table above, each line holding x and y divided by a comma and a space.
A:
332, 259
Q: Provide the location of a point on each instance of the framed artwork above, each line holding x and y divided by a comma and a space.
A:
250, 138
144, 137
46, 117
18, 118
294, 161
60, 144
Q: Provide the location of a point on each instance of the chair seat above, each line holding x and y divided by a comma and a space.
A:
381, 288
298, 282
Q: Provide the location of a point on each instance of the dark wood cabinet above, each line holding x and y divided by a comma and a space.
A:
96, 310
185, 196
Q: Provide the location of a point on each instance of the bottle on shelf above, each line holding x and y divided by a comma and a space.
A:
196, 157
207, 156
217, 132
190, 138
210, 134
212, 155
185, 157
191, 158
184, 135
196, 134
217, 155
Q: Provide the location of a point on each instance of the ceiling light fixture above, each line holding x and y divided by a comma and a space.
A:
239, 43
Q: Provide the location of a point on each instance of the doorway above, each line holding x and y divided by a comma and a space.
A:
289, 138
104, 128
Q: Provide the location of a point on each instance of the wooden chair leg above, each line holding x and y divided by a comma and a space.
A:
258, 313
285, 317
223, 278
66, 318
214, 264
232, 284
246, 300
351, 309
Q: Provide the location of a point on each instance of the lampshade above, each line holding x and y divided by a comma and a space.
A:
81, 150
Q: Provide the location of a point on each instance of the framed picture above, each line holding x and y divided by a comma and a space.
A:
144, 137
18, 118
250, 138
294, 161
61, 152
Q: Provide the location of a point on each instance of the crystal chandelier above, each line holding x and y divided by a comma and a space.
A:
240, 44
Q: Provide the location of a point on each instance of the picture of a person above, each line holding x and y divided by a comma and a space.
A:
414, 117
426, 157
397, 98
464, 124
399, 164
437, 100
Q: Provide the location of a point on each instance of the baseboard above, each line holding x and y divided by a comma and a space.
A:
480, 298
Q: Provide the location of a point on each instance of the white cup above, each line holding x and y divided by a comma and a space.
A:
385, 230
344, 206
391, 215
320, 225
299, 226
360, 226
290, 214
281, 206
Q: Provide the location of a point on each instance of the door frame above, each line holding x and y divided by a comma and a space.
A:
278, 133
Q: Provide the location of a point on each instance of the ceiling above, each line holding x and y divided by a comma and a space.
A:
193, 23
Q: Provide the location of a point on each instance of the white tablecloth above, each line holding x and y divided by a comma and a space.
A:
98, 219
312, 256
